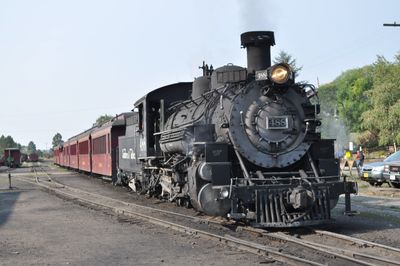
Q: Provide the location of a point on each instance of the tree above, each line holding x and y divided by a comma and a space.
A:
31, 147
57, 140
347, 97
284, 57
102, 120
7, 142
327, 94
367, 99
24, 149
343, 102
353, 87
382, 119
40, 153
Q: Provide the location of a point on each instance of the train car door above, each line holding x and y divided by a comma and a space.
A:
128, 145
140, 132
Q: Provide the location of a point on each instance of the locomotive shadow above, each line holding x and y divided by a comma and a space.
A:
7, 202
366, 220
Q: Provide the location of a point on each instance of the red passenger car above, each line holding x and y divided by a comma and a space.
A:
85, 151
56, 155
61, 155
65, 161
73, 152
104, 145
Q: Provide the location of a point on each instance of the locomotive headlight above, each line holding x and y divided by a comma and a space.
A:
280, 73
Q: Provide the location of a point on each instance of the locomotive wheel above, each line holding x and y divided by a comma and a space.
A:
211, 202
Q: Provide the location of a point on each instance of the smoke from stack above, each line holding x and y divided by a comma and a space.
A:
256, 14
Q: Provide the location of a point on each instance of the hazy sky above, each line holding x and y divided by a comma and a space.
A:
64, 63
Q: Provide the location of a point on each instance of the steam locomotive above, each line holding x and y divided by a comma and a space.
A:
236, 142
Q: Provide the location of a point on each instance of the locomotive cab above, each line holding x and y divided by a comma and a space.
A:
139, 149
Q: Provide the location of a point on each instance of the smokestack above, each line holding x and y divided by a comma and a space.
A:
258, 44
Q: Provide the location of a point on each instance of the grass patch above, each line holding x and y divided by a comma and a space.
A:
363, 185
394, 207
379, 217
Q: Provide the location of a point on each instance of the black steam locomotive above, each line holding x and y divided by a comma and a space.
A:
237, 142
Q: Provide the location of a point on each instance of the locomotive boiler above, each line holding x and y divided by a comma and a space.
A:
237, 142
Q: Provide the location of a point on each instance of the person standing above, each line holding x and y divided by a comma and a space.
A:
358, 157
361, 161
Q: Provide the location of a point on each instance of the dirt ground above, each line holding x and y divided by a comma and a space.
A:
37, 228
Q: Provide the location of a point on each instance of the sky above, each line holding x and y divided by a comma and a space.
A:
63, 63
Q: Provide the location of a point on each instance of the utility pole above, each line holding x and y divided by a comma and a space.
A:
9, 179
391, 24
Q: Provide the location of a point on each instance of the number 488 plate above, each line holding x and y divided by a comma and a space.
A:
277, 122
392, 177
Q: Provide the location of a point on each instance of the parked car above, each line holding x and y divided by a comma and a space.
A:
373, 172
392, 173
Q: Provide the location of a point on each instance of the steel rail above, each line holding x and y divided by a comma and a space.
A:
337, 250
351, 256
362, 244
129, 204
370, 259
310, 245
356, 240
231, 241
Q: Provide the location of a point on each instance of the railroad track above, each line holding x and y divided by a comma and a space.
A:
360, 248
366, 251
388, 189
316, 247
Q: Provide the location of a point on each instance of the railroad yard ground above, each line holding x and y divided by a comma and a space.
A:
39, 228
